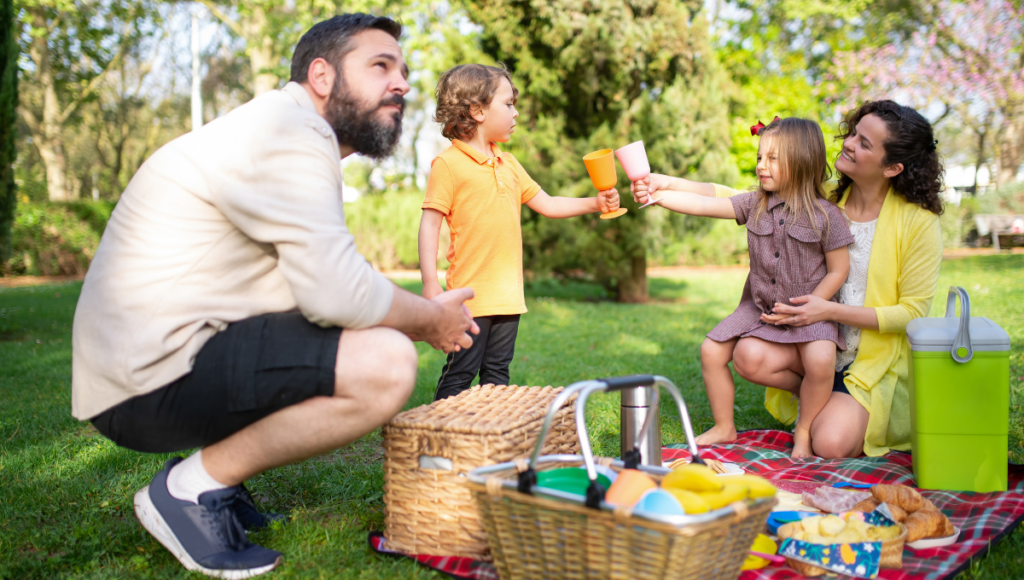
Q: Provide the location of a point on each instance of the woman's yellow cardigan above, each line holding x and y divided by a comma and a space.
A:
903, 274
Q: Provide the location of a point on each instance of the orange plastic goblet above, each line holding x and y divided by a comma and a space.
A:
601, 167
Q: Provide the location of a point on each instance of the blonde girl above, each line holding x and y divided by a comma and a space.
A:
797, 241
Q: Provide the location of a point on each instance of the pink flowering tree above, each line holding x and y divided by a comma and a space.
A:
970, 58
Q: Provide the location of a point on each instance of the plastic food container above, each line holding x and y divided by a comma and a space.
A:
959, 399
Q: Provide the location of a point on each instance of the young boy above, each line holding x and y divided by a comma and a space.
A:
479, 190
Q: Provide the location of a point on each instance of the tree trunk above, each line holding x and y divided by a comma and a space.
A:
1011, 149
633, 289
52, 153
259, 47
46, 134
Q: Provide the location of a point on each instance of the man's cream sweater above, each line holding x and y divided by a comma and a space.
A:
240, 218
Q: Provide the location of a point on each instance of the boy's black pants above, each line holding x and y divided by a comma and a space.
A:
490, 355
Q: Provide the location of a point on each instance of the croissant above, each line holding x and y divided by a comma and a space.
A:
898, 513
899, 495
867, 505
927, 524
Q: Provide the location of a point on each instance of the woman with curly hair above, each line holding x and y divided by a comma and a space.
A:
889, 182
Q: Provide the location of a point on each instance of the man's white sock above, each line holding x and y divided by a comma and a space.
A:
189, 478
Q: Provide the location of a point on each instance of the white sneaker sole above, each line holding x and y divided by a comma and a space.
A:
154, 523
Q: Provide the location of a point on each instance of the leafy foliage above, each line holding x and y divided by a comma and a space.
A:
970, 59
8, 127
56, 239
603, 74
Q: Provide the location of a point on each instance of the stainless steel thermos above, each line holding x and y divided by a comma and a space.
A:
636, 405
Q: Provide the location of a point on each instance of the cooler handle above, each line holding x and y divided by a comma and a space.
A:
963, 334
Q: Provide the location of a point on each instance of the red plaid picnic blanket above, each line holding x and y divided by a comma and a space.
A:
983, 518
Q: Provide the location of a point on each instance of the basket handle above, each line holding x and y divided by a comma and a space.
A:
595, 491
627, 382
963, 334
528, 477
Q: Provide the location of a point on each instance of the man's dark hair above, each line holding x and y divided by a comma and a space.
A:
332, 40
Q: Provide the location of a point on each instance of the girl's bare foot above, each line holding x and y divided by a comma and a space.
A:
801, 443
717, 434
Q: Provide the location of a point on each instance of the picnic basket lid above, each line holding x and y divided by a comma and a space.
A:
482, 410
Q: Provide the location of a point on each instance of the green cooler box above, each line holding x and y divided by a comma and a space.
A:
959, 399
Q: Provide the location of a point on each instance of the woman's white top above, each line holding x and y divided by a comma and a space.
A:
856, 286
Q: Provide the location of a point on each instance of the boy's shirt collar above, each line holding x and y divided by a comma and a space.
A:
476, 155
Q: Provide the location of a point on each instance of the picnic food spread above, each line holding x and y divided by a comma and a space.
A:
922, 519
695, 489
832, 529
647, 515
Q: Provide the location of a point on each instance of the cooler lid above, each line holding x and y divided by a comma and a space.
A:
937, 334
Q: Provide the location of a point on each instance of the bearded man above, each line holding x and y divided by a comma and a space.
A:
228, 309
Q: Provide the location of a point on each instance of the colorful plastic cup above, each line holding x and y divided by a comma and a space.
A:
628, 487
601, 167
633, 158
660, 502
569, 480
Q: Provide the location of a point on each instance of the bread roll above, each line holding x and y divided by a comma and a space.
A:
899, 495
927, 524
867, 505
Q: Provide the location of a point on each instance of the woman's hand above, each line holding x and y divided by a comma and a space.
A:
808, 310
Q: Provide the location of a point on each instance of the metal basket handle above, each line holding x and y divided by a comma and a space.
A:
595, 492
963, 334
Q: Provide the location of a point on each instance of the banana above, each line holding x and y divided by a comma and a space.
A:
691, 502
731, 492
759, 486
693, 477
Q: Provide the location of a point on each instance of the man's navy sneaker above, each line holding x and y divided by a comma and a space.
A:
206, 536
249, 516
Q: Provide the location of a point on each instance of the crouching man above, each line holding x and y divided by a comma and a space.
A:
228, 309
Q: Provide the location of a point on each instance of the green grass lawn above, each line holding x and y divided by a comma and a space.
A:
66, 492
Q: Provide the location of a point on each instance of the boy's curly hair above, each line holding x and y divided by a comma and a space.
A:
463, 88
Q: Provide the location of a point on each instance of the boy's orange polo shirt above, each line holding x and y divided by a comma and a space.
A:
481, 198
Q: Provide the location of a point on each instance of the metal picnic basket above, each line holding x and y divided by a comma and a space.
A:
541, 533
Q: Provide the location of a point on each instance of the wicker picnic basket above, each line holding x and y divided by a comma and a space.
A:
538, 532
428, 449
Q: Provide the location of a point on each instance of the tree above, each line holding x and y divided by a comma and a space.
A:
271, 28
779, 53
8, 128
602, 74
73, 46
970, 59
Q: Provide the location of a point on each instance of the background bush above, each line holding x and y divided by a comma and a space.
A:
56, 239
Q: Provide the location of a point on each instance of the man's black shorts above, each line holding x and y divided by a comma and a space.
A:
251, 369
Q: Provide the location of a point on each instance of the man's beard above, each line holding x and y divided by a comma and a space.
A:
358, 126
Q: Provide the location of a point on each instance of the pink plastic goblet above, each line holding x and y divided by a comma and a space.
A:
633, 158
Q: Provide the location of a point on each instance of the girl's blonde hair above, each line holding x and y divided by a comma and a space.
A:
799, 146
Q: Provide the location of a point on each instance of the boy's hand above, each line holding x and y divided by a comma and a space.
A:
607, 200
431, 290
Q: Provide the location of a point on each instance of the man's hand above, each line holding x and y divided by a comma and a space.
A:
453, 323
608, 200
443, 322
